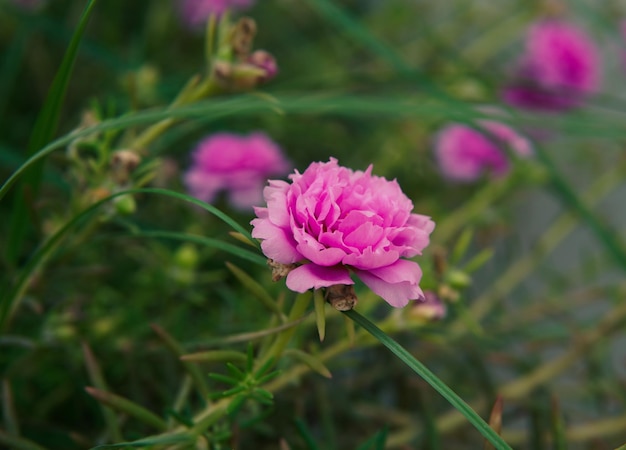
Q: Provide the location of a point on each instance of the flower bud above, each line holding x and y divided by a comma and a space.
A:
266, 62
341, 297
429, 309
125, 205
123, 164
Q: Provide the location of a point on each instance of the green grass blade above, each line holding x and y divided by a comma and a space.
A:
165, 439
42, 133
126, 406
10, 301
431, 379
607, 237
194, 372
18, 443
209, 242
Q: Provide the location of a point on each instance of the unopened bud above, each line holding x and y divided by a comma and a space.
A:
266, 62
123, 164
280, 270
428, 309
341, 297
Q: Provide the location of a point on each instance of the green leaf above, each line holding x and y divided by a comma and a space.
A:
209, 242
97, 379
431, 379
214, 355
18, 443
178, 351
559, 439
10, 301
126, 406
376, 442
320, 313
42, 133
164, 439
256, 289
310, 360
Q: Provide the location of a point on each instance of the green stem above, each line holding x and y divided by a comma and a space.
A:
431, 379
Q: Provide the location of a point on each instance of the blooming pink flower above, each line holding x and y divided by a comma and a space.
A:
560, 66
464, 154
239, 165
197, 12
335, 221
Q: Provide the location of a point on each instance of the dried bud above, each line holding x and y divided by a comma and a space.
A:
280, 270
123, 164
242, 36
341, 297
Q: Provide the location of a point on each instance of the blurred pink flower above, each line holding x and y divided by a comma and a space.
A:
560, 66
197, 12
238, 165
430, 309
465, 154
335, 221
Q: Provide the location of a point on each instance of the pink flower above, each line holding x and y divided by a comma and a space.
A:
197, 12
431, 309
558, 69
335, 221
465, 154
239, 165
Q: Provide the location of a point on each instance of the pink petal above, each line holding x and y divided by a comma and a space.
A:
277, 244
396, 284
312, 276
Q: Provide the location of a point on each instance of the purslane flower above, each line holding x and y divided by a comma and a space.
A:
331, 222
559, 68
237, 165
465, 154
197, 12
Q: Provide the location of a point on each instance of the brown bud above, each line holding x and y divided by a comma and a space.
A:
242, 36
280, 270
123, 163
341, 297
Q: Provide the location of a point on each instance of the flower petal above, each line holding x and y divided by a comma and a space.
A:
312, 276
396, 284
277, 244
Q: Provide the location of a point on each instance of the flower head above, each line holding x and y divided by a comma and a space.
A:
465, 154
560, 66
197, 12
335, 221
238, 165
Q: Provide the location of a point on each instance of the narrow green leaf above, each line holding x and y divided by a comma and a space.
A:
461, 245
18, 443
431, 379
214, 355
97, 379
256, 290
165, 439
11, 423
320, 313
306, 435
607, 237
177, 349
377, 442
42, 133
10, 301
310, 360
126, 406
559, 439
